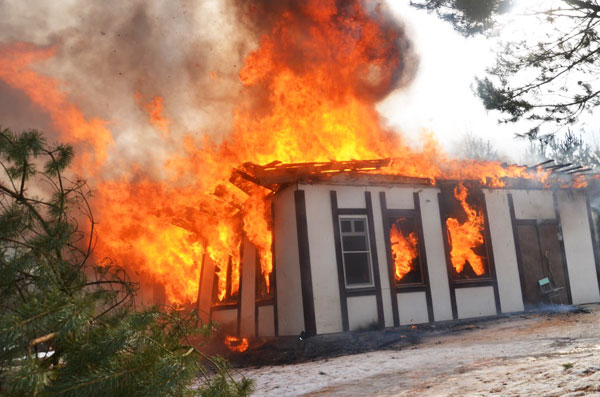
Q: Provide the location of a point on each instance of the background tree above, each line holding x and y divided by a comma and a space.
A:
469, 17
477, 148
68, 326
553, 81
550, 77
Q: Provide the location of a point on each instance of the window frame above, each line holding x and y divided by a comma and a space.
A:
447, 202
365, 219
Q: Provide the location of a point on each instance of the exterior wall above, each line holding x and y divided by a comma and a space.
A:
323, 261
247, 318
533, 204
412, 307
227, 319
386, 296
266, 325
362, 312
289, 294
205, 290
436, 255
505, 256
472, 301
579, 248
475, 302
322, 249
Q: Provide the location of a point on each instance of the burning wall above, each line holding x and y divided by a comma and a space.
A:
306, 91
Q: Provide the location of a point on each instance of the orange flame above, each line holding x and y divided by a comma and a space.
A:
92, 135
236, 344
404, 251
155, 109
318, 74
467, 236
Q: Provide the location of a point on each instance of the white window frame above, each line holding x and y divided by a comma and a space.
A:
368, 251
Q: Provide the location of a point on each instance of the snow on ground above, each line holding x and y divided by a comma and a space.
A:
526, 355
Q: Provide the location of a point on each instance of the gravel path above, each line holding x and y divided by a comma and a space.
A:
527, 355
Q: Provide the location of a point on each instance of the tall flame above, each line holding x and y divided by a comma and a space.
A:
465, 237
404, 251
307, 93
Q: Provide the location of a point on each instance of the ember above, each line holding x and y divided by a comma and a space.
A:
236, 344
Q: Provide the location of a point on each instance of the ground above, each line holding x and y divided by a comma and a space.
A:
530, 354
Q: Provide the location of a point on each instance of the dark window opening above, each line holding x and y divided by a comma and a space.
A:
356, 255
227, 290
264, 283
404, 245
463, 217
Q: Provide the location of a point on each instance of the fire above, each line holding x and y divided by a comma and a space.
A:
404, 251
308, 92
467, 236
256, 226
236, 344
91, 135
155, 109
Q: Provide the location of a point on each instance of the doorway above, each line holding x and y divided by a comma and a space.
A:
540, 255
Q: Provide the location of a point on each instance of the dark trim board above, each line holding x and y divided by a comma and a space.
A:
593, 236
345, 293
388, 251
562, 247
308, 303
274, 285
374, 259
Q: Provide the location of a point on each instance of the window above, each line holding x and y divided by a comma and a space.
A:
226, 286
264, 287
464, 221
356, 256
404, 246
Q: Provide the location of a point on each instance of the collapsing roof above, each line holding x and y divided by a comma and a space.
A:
275, 175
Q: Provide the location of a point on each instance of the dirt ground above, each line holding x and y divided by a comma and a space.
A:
522, 355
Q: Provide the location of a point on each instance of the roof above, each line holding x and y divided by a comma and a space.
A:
275, 175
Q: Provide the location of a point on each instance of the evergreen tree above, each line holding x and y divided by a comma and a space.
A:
68, 326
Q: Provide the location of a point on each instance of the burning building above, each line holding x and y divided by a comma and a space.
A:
318, 238
357, 246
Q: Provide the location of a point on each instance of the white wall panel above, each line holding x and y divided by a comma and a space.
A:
578, 246
247, 327
266, 325
412, 308
289, 293
436, 256
475, 302
505, 256
362, 312
323, 260
227, 319
400, 198
533, 204
347, 196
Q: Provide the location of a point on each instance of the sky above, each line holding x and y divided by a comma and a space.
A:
442, 100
